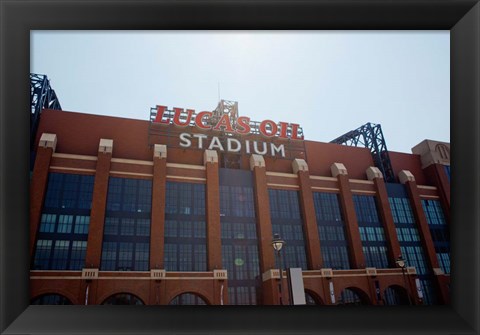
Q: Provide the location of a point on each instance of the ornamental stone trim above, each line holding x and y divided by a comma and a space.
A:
160, 151
338, 169
89, 273
220, 274
373, 173
299, 165
105, 146
328, 273
405, 176
210, 156
256, 160
158, 274
48, 140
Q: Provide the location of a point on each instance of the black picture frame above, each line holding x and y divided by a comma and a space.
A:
461, 17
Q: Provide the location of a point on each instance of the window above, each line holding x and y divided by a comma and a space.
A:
123, 299
185, 228
239, 236
439, 231
287, 221
63, 229
331, 230
408, 235
51, 299
447, 172
371, 231
187, 299
126, 234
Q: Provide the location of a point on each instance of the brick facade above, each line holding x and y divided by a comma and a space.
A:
131, 156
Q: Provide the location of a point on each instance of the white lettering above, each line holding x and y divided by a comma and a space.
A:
247, 146
215, 144
255, 147
229, 145
232, 145
200, 139
185, 140
280, 149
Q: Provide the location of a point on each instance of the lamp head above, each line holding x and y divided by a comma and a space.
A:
277, 242
400, 262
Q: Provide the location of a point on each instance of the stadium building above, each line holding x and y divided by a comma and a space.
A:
183, 208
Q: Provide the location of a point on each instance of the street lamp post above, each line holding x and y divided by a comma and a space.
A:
277, 244
401, 264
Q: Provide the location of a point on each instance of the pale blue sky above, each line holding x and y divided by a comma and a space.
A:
329, 82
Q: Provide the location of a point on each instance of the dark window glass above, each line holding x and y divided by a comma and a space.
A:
81, 224
123, 299
42, 254
51, 299
371, 231
60, 255
69, 191
331, 230
439, 231
129, 195
350, 297
395, 295
126, 235
79, 251
239, 237
63, 228
447, 171
187, 299
185, 230
287, 221
47, 223
408, 236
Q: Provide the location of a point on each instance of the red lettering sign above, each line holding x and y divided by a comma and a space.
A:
199, 120
243, 125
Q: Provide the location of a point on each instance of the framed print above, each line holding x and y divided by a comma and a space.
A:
36, 222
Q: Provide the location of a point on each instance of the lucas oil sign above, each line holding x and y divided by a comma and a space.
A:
235, 128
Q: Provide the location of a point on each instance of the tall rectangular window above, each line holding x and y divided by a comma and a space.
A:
447, 172
409, 237
287, 221
331, 230
63, 229
439, 231
126, 234
185, 229
239, 235
371, 231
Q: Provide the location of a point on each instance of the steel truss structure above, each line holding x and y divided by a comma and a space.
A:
370, 136
41, 96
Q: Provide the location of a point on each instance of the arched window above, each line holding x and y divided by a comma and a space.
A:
395, 295
353, 296
123, 299
187, 299
311, 299
51, 299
